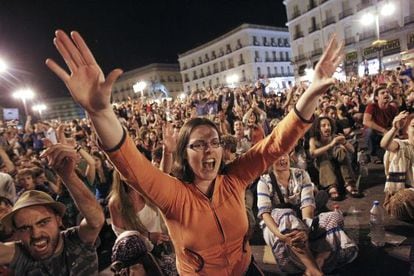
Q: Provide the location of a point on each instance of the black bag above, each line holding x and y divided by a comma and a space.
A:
283, 204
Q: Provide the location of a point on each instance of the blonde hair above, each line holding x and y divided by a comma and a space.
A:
119, 196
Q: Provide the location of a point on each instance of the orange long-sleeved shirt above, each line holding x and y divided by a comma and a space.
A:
208, 234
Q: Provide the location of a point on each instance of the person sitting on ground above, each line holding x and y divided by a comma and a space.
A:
399, 168
330, 152
131, 257
36, 218
203, 202
287, 206
377, 120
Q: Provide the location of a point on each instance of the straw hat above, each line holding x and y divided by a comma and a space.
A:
33, 198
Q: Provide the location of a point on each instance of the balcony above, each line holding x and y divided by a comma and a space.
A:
345, 13
300, 58
314, 28
367, 35
297, 35
257, 59
215, 71
316, 52
409, 19
268, 59
241, 62
349, 40
364, 5
295, 14
328, 21
410, 45
184, 67
389, 26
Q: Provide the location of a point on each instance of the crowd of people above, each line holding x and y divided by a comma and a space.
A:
182, 184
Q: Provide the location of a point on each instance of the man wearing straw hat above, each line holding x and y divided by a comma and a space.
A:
43, 248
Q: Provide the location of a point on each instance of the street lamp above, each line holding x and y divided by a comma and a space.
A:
232, 79
3, 66
39, 108
23, 95
139, 87
368, 18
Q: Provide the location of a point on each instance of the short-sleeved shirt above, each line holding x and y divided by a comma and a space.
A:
76, 258
382, 117
408, 150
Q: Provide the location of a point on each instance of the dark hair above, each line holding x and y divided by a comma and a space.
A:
378, 89
316, 128
157, 153
229, 142
181, 168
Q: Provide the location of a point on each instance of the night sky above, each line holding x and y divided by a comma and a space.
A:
124, 34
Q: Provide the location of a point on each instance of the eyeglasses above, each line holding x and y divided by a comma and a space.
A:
201, 145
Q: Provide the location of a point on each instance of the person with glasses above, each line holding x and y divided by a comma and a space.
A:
203, 202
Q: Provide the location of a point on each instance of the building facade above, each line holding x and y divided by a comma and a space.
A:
156, 76
312, 22
63, 109
250, 52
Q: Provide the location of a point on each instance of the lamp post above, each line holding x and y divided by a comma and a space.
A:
386, 10
39, 108
24, 95
139, 87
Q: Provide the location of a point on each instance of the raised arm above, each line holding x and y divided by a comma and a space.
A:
322, 79
285, 136
387, 142
92, 91
88, 85
63, 159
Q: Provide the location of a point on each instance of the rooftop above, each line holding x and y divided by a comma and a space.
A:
239, 28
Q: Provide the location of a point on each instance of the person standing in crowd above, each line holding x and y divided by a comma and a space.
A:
36, 219
203, 202
377, 120
287, 206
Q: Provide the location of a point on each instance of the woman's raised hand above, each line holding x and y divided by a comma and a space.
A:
86, 82
329, 61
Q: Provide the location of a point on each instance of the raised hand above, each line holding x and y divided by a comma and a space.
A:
169, 137
329, 61
400, 120
62, 158
86, 81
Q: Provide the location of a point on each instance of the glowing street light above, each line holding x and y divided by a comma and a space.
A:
3, 66
182, 96
232, 79
139, 87
39, 108
368, 18
24, 95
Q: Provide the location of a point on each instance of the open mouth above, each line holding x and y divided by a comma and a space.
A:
209, 164
40, 245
